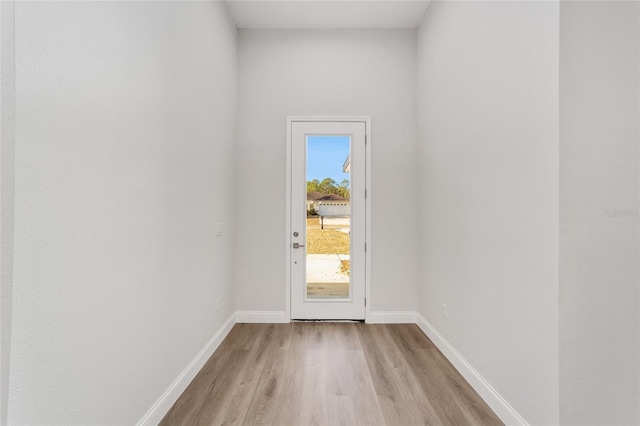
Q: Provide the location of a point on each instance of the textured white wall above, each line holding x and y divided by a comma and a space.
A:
124, 164
488, 150
599, 253
326, 73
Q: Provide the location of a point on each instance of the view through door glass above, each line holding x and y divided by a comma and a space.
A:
328, 217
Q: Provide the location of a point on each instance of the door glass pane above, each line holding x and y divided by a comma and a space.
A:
328, 217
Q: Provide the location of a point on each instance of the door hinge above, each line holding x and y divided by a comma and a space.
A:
365, 193
365, 247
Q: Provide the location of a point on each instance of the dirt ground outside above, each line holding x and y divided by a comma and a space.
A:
332, 240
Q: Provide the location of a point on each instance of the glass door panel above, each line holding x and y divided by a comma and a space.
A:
328, 224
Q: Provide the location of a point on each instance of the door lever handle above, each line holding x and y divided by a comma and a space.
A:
297, 245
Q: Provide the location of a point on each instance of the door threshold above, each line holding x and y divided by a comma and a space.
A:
327, 320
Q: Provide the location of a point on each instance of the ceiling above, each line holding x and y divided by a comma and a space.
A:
327, 14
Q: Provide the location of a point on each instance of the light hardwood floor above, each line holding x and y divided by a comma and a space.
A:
329, 374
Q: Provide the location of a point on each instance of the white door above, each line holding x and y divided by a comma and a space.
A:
327, 220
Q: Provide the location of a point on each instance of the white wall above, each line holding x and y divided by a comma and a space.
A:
599, 291
124, 164
326, 73
7, 129
488, 151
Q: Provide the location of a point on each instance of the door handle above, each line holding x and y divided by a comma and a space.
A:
297, 245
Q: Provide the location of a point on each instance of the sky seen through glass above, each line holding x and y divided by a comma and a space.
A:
326, 156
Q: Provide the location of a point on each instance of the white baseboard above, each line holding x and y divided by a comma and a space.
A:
171, 395
391, 317
262, 316
497, 403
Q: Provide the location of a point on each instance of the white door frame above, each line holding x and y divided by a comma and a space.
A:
288, 240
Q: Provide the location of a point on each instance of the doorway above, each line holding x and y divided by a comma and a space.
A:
327, 217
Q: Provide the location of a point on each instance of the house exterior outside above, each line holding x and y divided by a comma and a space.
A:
327, 204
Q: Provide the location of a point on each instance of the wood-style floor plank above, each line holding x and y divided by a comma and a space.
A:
328, 374
401, 395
